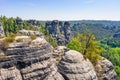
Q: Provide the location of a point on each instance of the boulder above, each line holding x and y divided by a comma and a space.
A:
59, 31
73, 66
105, 70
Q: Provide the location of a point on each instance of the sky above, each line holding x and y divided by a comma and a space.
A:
61, 9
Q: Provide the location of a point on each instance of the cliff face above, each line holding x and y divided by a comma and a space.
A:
29, 63
37, 60
60, 31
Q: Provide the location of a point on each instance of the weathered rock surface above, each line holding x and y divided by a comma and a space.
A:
73, 66
10, 74
105, 70
29, 63
29, 32
37, 60
1, 30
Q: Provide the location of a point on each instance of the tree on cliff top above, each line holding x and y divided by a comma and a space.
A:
87, 45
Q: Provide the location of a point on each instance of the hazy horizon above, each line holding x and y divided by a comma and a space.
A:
61, 9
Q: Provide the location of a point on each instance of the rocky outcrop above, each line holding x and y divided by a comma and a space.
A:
29, 63
105, 70
73, 66
34, 22
29, 32
10, 74
1, 30
61, 32
39, 61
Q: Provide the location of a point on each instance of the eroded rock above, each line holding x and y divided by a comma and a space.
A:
105, 70
73, 66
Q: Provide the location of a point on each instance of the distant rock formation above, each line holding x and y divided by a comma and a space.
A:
33, 22
61, 32
1, 30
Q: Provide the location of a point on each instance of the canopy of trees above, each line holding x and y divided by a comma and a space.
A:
87, 45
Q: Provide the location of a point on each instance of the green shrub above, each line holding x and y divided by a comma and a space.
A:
51, 40
19, 40
4, 45
9, 39
33, 37
12, 35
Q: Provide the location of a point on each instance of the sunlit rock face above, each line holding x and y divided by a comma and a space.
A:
73, 66
60, 31
32, 62
38, 60
105, 70
1, 30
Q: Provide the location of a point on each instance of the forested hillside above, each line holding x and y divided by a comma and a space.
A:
107, 32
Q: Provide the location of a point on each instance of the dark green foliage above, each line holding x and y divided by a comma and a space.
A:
12, 25
51, 40
101, 29
42, 28
112, 42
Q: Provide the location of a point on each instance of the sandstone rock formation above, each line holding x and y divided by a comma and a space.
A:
29, 63
105, 70
33, 22
39, 61
1, 30
29, 32
61, 32
73, 66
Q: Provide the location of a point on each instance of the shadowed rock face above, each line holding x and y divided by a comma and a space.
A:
60, 31
1, 30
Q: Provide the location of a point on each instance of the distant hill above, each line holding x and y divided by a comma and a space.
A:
100, 28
